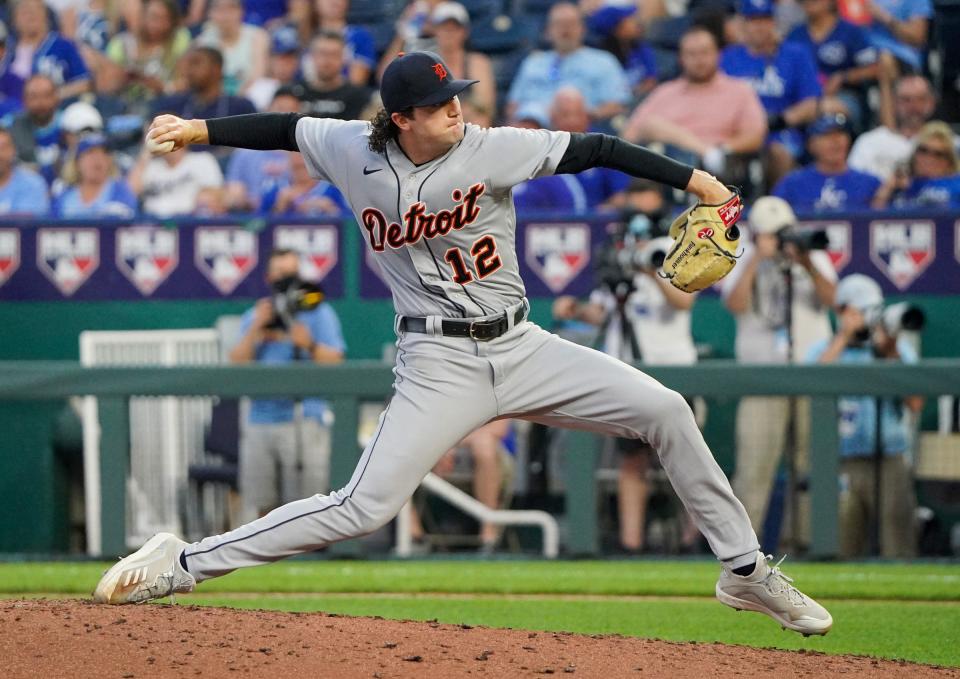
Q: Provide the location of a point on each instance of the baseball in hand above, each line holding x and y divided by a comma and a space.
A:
157, 149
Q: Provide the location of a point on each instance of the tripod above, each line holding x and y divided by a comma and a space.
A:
790, 451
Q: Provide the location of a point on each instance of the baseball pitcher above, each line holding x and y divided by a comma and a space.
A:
432, 197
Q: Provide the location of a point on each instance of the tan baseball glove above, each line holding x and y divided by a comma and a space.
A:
705, 241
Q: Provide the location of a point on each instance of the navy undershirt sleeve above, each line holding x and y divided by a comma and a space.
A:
261, 131
603, 150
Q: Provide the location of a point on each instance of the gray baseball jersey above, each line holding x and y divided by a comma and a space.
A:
442, 232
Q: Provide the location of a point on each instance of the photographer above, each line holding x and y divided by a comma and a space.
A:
931, 176
780, 294
641, 318
863, 337
285, 446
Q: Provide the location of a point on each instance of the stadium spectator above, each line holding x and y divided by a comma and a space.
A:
327, 94
560, 194
285, 447
39, 50
621, 33
23, 192
252, 174
90, 23
642, 318
603, 188
300, 17
532, 116
412, 32
846, 60
148, 57
360, 56
931, 179
244, 47
486, 448
168, 185
578, 194
205, 97
860, 338
11, 87
97, 191
305, 196
704, 113
881, 150
211, 202
756, 293
36, 131
899, 27
828, 184
784, 76
281, 69
264, 12
596, 73
451, 28
77, 120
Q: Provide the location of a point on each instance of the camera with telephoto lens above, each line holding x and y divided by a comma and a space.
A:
619, 259
902, 316
804, 240
292, 295
893, 319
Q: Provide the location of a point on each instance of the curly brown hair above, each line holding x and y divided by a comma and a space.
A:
384, 130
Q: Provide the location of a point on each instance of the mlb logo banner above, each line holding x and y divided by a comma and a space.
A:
839, 233
557, 252
68, 256
317, 246
147, 255
225, 255
9, 253
902, 249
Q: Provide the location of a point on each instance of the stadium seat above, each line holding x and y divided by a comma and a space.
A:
218, 472
665, 33
500, 34
668, 64
382, 33
533, 6
374, 11
505, 67
482, 9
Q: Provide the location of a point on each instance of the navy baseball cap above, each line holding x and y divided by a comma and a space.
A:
829, 122
756, 8
606, 19
418, 79
91, 141
285, 40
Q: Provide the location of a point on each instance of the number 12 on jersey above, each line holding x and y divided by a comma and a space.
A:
485, 260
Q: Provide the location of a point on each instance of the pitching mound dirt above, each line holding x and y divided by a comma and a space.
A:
51, 639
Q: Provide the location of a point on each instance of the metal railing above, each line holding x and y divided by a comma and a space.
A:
345, 386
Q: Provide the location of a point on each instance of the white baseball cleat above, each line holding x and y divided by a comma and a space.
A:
767, 590
152, 572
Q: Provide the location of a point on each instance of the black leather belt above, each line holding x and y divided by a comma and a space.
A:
481, 331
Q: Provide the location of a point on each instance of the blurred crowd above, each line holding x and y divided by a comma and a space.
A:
826, 103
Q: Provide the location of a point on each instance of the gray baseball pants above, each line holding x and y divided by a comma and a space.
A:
447, 387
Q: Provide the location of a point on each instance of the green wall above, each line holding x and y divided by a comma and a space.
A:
33, 508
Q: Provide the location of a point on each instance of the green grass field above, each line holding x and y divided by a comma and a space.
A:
909, 612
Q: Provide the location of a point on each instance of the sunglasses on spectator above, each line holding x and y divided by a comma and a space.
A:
931, 151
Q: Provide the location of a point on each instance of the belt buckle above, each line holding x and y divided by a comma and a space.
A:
482, 325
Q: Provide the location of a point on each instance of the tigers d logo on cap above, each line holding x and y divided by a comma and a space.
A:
418, 79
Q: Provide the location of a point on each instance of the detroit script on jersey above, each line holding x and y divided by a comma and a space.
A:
441, 233
417, 222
